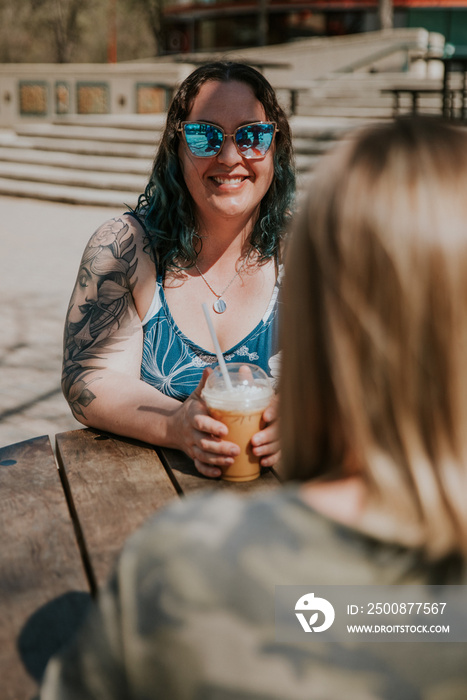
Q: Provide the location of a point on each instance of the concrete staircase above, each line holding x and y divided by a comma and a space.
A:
107, 160
360, 95
81, 161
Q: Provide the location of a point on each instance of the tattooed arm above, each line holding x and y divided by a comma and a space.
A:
102, 355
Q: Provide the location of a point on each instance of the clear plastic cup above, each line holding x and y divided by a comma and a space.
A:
240, 409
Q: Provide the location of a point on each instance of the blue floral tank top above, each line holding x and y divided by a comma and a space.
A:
173, 364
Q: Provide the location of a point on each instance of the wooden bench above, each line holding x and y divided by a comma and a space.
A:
414, 92
455, 83
43, 589
293, 91
63, 528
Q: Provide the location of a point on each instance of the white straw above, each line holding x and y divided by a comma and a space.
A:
220, 357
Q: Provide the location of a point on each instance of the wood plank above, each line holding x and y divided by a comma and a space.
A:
43, 589
115, 484
183, 472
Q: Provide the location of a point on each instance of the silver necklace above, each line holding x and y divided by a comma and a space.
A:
219, 305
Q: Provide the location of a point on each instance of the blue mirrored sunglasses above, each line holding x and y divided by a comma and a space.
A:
251, 140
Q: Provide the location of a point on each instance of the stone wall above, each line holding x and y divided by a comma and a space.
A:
49, 91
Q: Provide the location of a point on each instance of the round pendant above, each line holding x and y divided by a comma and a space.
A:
219, 306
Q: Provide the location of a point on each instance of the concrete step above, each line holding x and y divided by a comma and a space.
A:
312, 147
359, 100
92, 148
304, 163
62, 159
73, 178
319, 129
375, 79
378, 105
371, 114
68, 195
351, 99
102, 134
336, 109
144, 122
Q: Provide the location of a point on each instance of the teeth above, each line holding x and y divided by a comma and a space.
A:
228, 180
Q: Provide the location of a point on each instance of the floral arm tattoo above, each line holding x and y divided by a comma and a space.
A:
100, 312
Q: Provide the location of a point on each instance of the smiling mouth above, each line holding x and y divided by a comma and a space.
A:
228, 180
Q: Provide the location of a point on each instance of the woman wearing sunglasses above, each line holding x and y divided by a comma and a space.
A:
208, 228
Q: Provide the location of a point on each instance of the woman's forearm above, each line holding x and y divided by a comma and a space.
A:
124, 405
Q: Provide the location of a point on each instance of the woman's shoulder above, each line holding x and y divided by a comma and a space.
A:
116, 231
209, 522
120, 237
135, 220
276, 533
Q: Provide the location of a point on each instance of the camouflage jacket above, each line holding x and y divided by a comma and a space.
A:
189, 612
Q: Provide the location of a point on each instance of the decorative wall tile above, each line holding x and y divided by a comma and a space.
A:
150, 98
62, 98
33, 98
92, 98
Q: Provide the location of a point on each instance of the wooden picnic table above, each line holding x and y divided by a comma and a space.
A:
415, 92
63, 522
457, 63
452, 92
294, 91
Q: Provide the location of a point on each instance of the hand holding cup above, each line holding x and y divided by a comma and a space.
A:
239, 401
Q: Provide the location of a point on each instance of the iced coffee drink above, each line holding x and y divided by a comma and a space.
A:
240, 407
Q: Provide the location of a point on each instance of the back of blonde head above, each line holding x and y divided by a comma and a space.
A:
375, 327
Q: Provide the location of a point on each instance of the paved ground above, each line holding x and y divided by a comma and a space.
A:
40, 248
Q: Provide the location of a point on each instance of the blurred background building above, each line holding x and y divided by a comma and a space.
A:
224, 24
107, 31
85, 84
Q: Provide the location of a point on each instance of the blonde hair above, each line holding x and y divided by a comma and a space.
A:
374, 327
